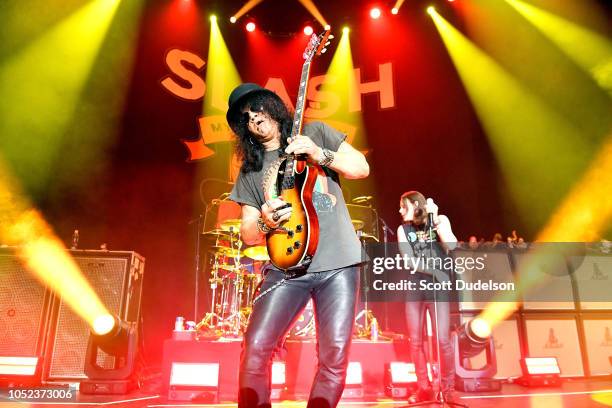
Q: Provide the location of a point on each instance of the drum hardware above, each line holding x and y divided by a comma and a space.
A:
357, 224
232, 225
233, 282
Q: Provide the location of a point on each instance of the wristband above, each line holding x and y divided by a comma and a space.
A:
328, 157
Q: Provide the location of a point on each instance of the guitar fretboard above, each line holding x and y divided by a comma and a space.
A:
301, 101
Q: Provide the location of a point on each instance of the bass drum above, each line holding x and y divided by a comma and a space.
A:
304, 327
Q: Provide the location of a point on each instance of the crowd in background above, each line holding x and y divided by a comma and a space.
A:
512, 241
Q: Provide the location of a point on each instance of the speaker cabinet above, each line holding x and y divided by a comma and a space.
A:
598, 339
116, 277
24, 309
555, 336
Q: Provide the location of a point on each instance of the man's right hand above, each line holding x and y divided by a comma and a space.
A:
272, 216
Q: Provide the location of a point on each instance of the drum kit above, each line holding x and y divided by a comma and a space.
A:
235, 274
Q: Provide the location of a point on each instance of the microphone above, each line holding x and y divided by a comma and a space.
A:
430, 215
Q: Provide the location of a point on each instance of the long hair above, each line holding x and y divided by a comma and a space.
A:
249, 149
420, 214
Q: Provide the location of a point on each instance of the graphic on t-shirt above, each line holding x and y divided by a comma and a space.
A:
322, 199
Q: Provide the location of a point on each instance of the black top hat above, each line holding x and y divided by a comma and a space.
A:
236, 99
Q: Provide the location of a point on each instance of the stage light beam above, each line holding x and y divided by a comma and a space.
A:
397, 6
308, 30
375, 13
508, 111
314, 11
589, 50
68, 51
250, 26
248, 6
41, 252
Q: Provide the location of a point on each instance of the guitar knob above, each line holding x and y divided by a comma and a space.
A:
299, 228
290, 233
290, 250
297, 244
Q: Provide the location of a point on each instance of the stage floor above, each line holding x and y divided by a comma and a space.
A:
577, 393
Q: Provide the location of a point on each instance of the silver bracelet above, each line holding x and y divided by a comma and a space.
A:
328, 157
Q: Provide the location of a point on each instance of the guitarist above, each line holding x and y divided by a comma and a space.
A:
263, 125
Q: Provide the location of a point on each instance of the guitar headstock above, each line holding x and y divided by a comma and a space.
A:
316, 45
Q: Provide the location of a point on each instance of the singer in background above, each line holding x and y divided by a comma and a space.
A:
425, 233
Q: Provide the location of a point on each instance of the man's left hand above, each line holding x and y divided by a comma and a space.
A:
304, 145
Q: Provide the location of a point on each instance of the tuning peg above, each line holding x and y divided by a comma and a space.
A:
323, 50
331, 37
327, 43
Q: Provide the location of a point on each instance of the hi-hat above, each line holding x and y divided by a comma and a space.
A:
216, 233
257, 253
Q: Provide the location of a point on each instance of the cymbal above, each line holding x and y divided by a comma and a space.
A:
224, 250
365, 237
257, 253
232, 224
357, 224
217, 233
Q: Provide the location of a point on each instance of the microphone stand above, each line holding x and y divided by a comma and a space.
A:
439, 398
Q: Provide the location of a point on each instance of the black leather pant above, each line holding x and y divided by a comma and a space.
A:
334, 294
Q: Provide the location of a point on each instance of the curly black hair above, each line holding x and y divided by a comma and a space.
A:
249, 149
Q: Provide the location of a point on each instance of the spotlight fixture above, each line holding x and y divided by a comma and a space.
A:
327, 27
250, 27
20, 370
354, 381
394, 10
431, 10
400, 379
375, 13
345, 30
233, 19
308, 30
278, 380
113, 338
471, 339
540, 371
213, 18
194, 381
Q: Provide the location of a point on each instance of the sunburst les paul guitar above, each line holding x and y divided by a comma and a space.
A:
292, 246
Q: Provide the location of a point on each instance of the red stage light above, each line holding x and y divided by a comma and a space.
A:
250, 27
308, 30
394, 10
375, 13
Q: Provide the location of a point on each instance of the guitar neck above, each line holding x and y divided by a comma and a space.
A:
298, 117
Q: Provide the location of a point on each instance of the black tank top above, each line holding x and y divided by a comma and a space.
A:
426, 246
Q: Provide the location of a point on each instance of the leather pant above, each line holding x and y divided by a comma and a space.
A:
415, 317
334, 294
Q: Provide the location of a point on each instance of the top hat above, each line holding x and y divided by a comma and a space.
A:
236, 99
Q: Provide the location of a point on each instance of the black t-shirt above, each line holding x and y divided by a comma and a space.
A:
338, 243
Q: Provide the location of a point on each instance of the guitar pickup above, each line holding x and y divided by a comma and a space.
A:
282, 207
